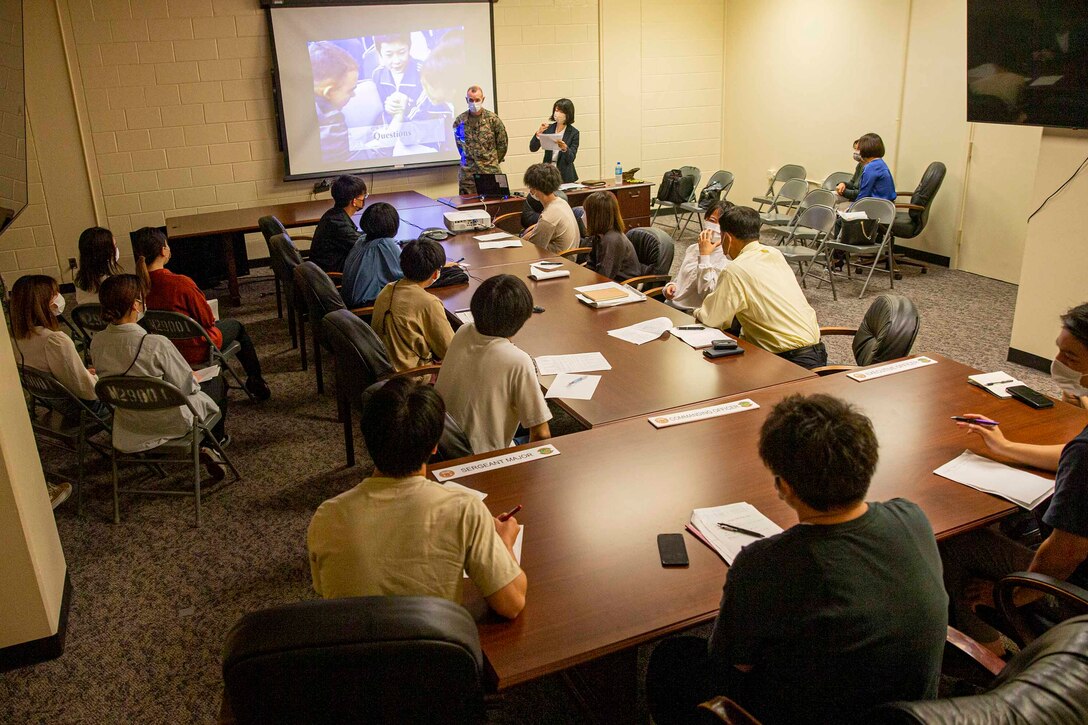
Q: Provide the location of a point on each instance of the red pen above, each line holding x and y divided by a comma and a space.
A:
511, 512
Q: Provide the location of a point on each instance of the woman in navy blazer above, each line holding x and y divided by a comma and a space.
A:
876, 178
562, 117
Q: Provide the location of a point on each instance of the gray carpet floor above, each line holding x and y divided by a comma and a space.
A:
154, 597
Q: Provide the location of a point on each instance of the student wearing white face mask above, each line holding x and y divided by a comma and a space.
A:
974, 561
557, 228
702, 263
98, 259
562, 122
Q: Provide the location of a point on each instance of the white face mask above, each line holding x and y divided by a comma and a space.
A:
473, 106
116, 253
57, 304
559, 117
857, 156
1068, 379
142, 312
712, 227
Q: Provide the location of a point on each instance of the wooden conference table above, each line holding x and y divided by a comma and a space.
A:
634, 201
592, 513
229, 227
663, 373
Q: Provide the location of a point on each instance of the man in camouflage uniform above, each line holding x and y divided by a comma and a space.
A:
481, 141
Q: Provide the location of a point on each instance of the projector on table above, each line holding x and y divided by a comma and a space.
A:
471, 220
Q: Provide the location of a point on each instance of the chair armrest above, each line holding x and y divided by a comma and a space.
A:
832, 369
307, 237
838, 331
904, 193
642, 279
430, 370
911, 207
657, 293
722, 709
510, 222
1067, 594
335, 276
575, 251
982, 656
363, 311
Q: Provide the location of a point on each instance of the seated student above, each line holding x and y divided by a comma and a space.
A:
975, 560
489, 383
98, 259
557, 229
178, 293
125, 348
336, 233
876, 178
849, 189
39, 343
374, 261
411, 321
702, 264
398, 533
397, 78
611, 252
760, 290
842, 612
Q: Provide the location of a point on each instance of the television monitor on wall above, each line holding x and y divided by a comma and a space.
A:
370, 86
1027, 62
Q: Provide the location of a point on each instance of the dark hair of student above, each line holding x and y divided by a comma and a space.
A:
345, 188
567, 107
1076, 322
97, 258
379, 221
544, 178
31, 296
721, 207
602, 214
330, 63
402, 422
823, 447
501, 305
147, 246
741, 221
420, 258
117, 294
871, 146
401, 38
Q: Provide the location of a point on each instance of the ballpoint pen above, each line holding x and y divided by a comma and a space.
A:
739, 530
979, 421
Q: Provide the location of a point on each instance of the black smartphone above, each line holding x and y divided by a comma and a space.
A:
726, 344
672, 550
713, 354
1030, 397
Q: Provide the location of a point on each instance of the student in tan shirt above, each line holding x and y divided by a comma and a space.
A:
557, 228
410, 320
398, 533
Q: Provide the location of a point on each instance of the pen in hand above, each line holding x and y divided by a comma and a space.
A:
739, 530
977, 421
510, 513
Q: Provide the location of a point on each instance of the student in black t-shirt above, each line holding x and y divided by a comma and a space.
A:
833, 616
975, 560
336, 233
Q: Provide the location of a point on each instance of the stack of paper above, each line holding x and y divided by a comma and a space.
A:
573, 387
503, 243
851, 216
584, 362
608, 294
203, 375
704, 524
550, 141
547, 270
642, 332
994, 383
1022, 488
700, 338
571, 186
494, 236
464, 316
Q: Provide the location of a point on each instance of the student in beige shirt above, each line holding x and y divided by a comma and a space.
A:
760, 290
410, 320
488, 383
557, 228
398, 533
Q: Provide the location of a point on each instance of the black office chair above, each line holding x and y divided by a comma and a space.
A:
911, 219
270, 226
321, 297
284, 257
655, 250
1063, 600
887, 332
454, 442
355, 660
1046, 683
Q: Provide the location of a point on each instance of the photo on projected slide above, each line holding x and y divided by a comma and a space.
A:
386, 96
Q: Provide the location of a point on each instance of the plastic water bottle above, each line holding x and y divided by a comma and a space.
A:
619, 174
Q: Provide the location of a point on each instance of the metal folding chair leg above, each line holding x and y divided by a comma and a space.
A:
876, 261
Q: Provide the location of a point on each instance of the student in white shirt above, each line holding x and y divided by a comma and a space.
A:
488, 383
702, 263
557, 228
98, 259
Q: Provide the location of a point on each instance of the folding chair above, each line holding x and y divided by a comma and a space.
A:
690, 210
790, 197
784, 174
139, 394
884, 212
812, 226
816, 197
56, 428
835, 178
176, 326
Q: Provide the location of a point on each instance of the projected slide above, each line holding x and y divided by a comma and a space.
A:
383, 98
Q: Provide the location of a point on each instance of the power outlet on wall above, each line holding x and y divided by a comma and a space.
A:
72, 263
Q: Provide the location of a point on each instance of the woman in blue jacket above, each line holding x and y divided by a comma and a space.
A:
876, 178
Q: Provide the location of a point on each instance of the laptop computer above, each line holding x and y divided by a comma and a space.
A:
491, 184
